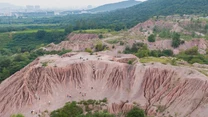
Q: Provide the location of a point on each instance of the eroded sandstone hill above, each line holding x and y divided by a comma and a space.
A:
161, 90
75, 42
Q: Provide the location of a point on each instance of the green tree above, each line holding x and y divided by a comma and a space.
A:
152, 38
135, 112
176, 40
167, 52
99, 47
89, 50
69, 110
97, 114
68, 29
20, 57
192, 51
40, 34
143, 51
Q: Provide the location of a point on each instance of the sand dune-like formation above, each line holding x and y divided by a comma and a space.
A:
161, 90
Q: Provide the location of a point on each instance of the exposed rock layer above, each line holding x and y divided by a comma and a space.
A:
158, 89
75, 42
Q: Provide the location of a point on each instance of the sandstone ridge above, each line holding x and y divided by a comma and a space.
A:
161, 90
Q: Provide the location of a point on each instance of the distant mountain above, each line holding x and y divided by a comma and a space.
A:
145, 10
115, 6
105, 8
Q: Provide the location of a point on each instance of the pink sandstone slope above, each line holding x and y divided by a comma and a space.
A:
161, 90
74, 42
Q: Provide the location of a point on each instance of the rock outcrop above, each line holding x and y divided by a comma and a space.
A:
161, 90
82, 37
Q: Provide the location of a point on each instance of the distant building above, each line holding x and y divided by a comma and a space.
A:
30, 7
37, 7
33, 14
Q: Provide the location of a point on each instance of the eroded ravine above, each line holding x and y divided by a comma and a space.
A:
158, 89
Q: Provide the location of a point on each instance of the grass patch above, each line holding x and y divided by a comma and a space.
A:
154, 59
26, 25
186, 37
36, 30
113, 41
97, 31
93, 31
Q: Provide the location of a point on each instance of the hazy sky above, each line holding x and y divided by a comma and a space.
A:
60, 3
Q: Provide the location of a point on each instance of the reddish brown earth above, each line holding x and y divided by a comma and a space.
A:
82, 37
161, 90
178, 25
147, 27
75, 42
202, 45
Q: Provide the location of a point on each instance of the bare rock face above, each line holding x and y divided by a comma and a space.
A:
174, 25
148, 26
74, 42
82, 37
67, 45
161, 90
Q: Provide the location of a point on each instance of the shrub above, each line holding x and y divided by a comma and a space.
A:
143, 51
202, 59
155, 53
18, 115
69, 110
151, 38
113, 41
88, 50
135, 112
192, 51
97, 114
44, 64
113, 46
173, 62
99, 47
167, 52
176, 40
100, 36
90, 101
130, 62
105, 100
121, 43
